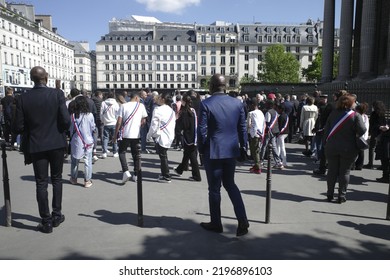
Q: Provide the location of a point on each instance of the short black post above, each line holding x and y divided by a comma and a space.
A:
269, 173
388, 203
7, 195
139, 188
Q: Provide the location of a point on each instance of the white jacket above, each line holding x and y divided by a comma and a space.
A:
109, 111
162, 126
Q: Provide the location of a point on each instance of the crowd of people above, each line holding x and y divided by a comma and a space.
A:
213, 131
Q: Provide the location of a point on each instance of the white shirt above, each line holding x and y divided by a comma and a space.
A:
162, 126
256, 123
109, 111
136, 111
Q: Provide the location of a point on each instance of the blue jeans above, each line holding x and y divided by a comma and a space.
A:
108, 133
74, 167
221, 172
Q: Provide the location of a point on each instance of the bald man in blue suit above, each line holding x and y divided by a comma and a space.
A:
222, 138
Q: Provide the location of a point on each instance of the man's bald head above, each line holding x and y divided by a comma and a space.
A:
38, 75
217, 83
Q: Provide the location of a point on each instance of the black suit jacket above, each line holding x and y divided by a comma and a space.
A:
42, 113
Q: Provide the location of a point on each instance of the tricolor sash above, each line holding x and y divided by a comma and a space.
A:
349, 114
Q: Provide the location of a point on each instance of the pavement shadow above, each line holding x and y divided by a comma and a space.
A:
198, 244
18, 220
373, 230
284, 196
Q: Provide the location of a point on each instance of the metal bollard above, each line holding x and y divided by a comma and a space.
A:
269, 174
388, 203
7, 195
139, 188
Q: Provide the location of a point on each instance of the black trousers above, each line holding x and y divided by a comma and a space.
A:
123, 145
41, 163
162, 153
190, 153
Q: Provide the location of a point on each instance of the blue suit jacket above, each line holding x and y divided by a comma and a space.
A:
221, 127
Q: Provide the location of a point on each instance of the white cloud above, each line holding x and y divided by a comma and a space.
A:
168, 6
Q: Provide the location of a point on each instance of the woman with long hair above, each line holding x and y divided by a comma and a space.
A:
81, 140
187, 123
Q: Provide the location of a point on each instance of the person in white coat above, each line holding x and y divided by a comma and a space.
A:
162, 130
108, 115
309, 115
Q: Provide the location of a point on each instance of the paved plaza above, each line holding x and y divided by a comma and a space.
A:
101, 222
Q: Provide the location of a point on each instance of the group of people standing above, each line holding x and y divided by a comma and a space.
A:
217, 128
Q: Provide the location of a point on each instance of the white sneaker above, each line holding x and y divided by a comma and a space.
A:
134, 178
126, 177
116, 155
104, 155
109, 154
94, 159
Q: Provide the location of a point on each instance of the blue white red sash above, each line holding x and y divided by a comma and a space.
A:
195, 129
340, 123
132, 114
107, 108
164, 125
78, 131
285, 125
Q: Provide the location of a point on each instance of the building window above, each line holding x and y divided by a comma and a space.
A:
246, 66
203, 73
213, 60
310, 49
232, 60
203, 60
247, 49
223, 60
246, 57
269, 39
203, 49
223, 50
232, 50
297, 50
246, 38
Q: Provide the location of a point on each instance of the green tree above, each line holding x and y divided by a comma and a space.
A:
279, 66
249, 79
314, 71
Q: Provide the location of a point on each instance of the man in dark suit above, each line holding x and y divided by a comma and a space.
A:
222, 137
41, 114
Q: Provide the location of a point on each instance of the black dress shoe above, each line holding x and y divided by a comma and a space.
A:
329, 198
368, 166
358, 168
319, 172
342, 200
242, 228
45, 228
57, 220
382, 180
211, 227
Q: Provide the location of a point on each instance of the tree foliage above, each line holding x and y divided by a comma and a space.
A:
314, 71
279, 66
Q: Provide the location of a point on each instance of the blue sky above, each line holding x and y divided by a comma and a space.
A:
87, 20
